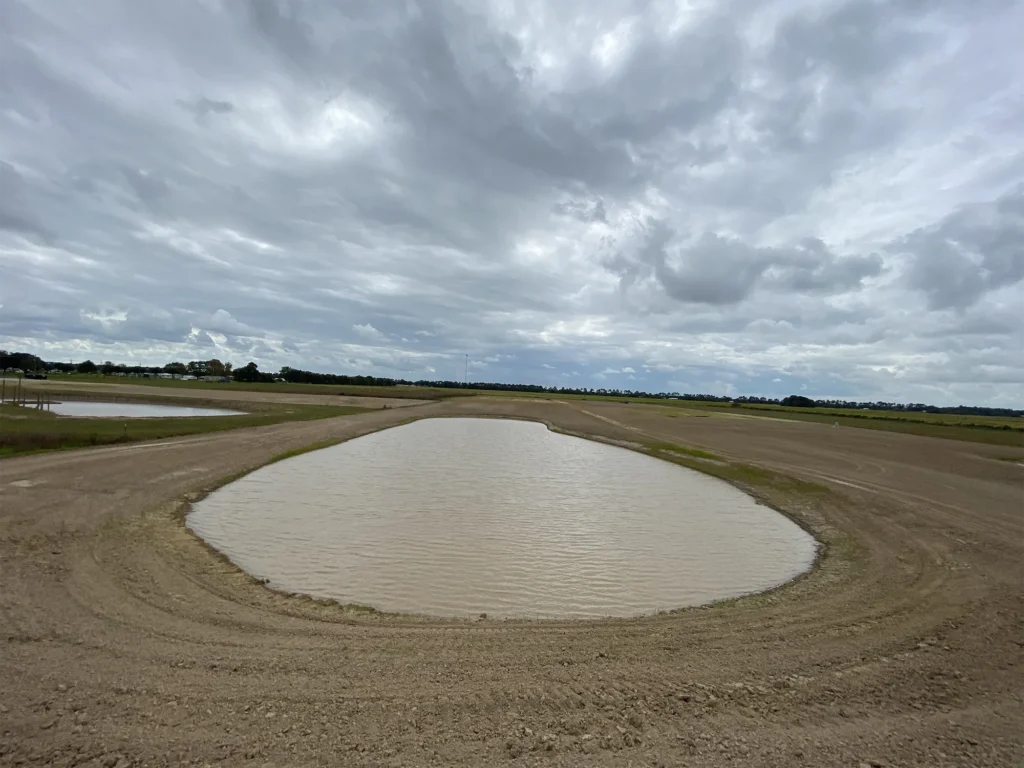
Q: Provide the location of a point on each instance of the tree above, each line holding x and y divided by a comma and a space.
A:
108, 368
178, 368
197, 368
215, 367
87, 366
798, 401
249, 373
22, 360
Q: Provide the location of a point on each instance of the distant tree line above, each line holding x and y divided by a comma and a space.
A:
296, 376
251, 373
22, 360
879, 405
31, 363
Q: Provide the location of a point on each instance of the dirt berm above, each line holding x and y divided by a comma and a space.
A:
126, 642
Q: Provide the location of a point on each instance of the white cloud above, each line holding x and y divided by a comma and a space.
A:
368, 332
222, 322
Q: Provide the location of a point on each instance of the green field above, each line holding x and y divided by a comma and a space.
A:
28, 430
995, 430
397, 393
946, 419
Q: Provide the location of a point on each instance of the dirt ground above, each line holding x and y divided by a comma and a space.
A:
128, 643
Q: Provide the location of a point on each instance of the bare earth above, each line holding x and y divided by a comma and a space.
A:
128, 643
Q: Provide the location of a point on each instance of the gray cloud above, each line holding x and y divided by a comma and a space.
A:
724, 270
15, 213
737, 197
977, 249
203, 106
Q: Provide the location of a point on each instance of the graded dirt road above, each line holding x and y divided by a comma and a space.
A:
128, 643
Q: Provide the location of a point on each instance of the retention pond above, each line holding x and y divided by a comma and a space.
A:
133, 410
458, 517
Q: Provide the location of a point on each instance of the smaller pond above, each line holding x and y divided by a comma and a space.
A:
133, 410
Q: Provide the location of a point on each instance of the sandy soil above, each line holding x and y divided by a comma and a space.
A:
228, 393
128, 643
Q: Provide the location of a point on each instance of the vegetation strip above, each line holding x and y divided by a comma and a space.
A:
672, 448
29, 430
952, 424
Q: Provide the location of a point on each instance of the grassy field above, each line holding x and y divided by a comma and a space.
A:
945, 419
397, 393
993, 430
978, 429
27, 430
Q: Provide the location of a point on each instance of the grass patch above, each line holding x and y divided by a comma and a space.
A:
28, 430
735, 472
19, 412
306, 449
752, 476
696, 453
324, 603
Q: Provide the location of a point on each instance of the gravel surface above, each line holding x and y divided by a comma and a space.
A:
127, 642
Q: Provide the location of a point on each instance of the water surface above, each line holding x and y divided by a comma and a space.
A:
457, 517
133, 410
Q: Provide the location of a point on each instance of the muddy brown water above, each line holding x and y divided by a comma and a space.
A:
461, 516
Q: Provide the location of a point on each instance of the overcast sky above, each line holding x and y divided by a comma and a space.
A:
748, 197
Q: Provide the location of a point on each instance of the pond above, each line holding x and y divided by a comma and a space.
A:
133, 410
458, 517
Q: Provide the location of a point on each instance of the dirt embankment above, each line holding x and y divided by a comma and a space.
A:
127, 643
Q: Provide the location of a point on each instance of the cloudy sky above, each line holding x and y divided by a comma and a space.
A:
739, 197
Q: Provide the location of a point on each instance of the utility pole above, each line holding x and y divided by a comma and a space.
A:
466, 380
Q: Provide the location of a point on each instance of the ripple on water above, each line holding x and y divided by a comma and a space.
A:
456, 517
